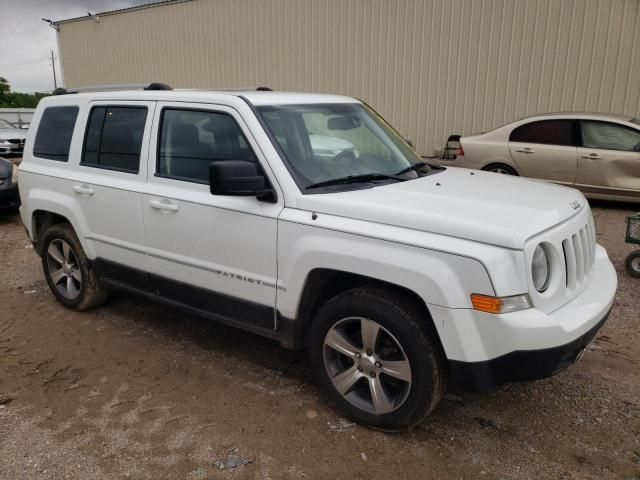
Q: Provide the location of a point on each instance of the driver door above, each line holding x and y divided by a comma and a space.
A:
211, 252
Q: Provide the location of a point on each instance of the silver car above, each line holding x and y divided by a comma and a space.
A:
11, 138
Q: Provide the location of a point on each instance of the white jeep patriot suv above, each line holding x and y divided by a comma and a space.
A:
308, 219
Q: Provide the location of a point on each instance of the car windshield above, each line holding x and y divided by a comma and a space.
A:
348, 144
5, 124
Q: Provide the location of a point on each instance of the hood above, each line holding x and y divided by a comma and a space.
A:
480, 206
12, 133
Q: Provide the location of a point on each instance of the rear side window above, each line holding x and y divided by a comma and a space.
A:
55, 131
550, 132
609, 136
113, 139
191, 139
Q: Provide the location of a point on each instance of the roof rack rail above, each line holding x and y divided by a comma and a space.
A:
114, 88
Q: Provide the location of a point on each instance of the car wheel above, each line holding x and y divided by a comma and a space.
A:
67, 270
633, 264
373, 356
500, 168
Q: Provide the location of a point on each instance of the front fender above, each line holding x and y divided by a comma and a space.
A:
439, 278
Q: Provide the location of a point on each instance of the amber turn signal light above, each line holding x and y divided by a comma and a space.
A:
495, 305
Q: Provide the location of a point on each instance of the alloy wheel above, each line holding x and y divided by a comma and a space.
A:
367, 365
64, 269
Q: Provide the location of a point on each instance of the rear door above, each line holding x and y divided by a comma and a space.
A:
609, 159
111, 177
545, 149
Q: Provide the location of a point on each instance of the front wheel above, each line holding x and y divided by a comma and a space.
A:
373, 356
633, 264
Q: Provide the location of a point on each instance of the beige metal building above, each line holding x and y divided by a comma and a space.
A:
431, 67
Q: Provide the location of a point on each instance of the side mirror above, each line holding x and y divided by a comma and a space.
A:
237, 178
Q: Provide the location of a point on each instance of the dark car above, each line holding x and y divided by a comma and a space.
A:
9, 196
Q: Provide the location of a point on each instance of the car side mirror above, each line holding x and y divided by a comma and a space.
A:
238, 178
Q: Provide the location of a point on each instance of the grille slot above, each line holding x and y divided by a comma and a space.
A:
579, 255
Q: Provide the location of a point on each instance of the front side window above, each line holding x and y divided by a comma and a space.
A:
550, 132
113, 138
55, 131
191, 139
609, 136
327, 142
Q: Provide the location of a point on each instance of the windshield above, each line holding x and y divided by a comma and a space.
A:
325, 142
5, 124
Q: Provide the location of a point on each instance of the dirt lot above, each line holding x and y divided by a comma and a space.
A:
135, 390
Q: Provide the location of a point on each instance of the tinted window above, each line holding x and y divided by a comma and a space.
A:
551, 132
55, 131
114, 138
609, 136
190, 140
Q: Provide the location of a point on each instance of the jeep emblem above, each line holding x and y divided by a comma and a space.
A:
575, 205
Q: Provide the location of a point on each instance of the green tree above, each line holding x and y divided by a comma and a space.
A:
9, 99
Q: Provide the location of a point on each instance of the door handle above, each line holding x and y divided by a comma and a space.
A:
164, 205
83, 189
591, 156
525, 150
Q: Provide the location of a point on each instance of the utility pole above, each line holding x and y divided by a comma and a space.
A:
53, 65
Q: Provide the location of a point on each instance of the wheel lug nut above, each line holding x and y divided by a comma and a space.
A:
358, 355
378, 365
359, 368
369, 352
373, 374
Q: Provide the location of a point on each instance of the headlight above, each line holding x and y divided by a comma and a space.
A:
540, 269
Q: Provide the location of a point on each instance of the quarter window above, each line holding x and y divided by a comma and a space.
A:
550, 132
55, 131
114, 138
609, 136
191, 139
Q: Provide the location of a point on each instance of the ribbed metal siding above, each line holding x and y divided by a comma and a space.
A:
430, 67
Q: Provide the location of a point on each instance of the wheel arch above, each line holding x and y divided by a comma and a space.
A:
323, 284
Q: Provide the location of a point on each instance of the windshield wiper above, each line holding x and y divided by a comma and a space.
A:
367, 177
414, 167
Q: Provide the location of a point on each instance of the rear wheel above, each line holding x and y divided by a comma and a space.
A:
67, 270
500, 168
633, 264
374, 358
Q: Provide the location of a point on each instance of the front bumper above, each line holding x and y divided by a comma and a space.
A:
522, 365
486, 350
9, 197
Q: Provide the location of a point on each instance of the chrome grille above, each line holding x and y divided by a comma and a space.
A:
579, 255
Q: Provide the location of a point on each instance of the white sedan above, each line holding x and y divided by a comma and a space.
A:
598, 154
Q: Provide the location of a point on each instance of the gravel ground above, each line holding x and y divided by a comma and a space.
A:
136, 390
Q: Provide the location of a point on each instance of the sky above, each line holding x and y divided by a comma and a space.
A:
26, 41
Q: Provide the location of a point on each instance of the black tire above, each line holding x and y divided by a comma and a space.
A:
633, 264
90, 292
500, 168
406, 323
